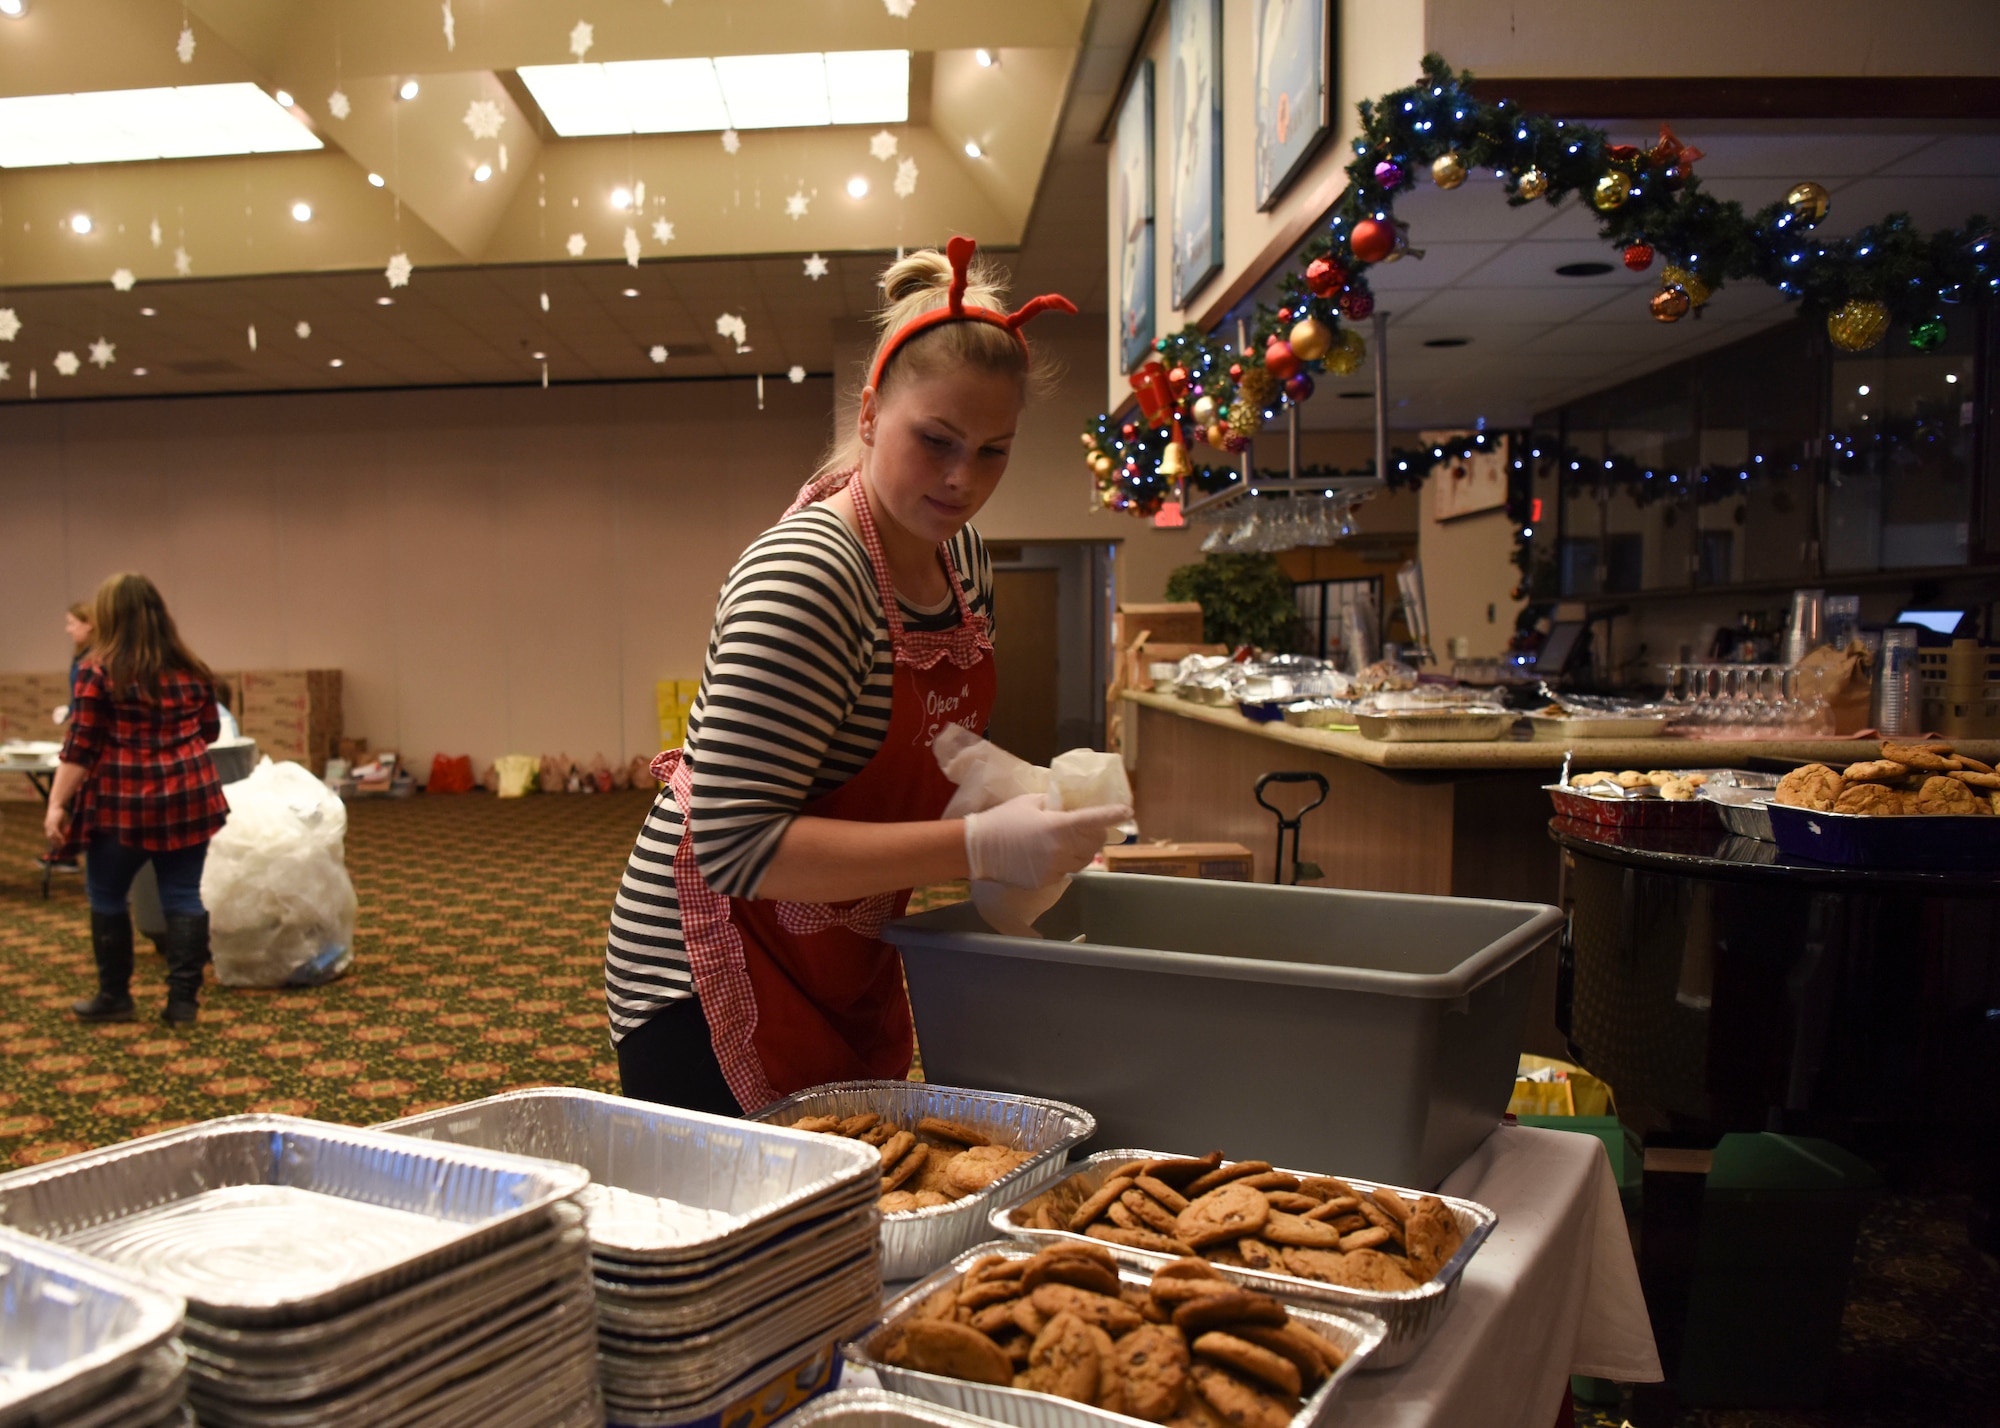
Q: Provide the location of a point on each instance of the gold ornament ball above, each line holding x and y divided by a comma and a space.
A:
1203, 411
1213, 436
1245, 419
1807, 200
1534, 184
1675, 276
1100, 463
1344, 358
1858, 324
1669, 305
1448, 170
1256, 388
1089, 442
1611, 192
1311, 339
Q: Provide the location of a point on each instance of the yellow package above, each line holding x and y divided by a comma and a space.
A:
1548, 1087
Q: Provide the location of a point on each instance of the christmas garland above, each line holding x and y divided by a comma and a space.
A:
1650, 204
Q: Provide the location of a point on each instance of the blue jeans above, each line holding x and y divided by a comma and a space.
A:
112, 866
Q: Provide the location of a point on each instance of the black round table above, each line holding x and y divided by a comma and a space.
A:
1720, 986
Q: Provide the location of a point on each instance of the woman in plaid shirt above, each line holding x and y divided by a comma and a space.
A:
135, 785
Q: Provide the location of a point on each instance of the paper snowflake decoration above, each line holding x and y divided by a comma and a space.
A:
576, 245
337, 105
631, 248
253, 337
184, 47
663, 231
731, 326
658, 354
122, 279
450, 28
906, 178
5, 371
103, 354
815, 267
731, 142
795, 206
183, 264
67, 364
304, 330
883, 146
796, 375
154, 234
398, 271
899, 8
10, 324
581, 39
484, 118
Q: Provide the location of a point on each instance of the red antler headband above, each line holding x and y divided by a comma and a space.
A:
960, 251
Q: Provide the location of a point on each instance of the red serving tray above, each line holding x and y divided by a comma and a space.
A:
1695, 815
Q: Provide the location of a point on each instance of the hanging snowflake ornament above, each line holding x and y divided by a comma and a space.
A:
398, 271
103, 354
795, 206
184, 47
484, 118
638, 195
253, 337
10, 324
183, 264
631, 248
545, 302
796, 374
154, 233
450, 28
122, 279
337, 105
66, 363
906, 178
882, 146
663, 231
581, 39
815, 267
899, 8
731, 326
731, 141
304, 329
576, 244
658, 353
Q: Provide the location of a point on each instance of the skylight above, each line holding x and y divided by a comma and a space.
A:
679, 96
121, 125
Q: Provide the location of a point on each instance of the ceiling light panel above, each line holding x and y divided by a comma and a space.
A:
680, 96
129, 125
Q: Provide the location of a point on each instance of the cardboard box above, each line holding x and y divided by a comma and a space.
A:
294, 715
1178, 623
1223, 862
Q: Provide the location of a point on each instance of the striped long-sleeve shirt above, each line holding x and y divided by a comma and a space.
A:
795, 696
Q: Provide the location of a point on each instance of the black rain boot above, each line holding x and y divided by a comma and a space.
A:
186, 948
111, 943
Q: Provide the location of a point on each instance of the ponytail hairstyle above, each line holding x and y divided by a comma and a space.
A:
921, 283
135, 639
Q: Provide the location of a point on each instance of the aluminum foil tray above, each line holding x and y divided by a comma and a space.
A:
1441, 726
154, 1393
877, 1408
1741, 810
70, 1329
758, 1397
235, 1214
1358, 1333
667, 1185
1597, 726
671, 1309
1410, 1316
915, 1242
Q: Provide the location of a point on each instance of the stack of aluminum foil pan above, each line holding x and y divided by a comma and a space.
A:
82, 1347
336, 1278
723, 1250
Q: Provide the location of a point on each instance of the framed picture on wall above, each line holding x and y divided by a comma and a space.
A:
1465, 487
1135, 220
1292, 66
1194, 110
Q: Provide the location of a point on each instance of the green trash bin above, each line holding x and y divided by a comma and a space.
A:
1778, 1228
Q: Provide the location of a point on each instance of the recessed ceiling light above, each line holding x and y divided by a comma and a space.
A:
128, 125
679, 96
621, 199
539, 356
985, 58
284, 99
409, 90
385, 301
302, 211
857, 187
80, 223
972, 149
1862, 390
138, 371
149, 312
482, 173
375, 179
1951, 376
1583, 270
13, 9
335, 362
631, 292
1447, 341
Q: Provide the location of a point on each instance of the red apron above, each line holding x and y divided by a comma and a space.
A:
799, 994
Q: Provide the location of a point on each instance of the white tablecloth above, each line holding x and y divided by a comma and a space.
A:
1554, 1292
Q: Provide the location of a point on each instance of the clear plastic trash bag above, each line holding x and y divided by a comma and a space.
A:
281, 907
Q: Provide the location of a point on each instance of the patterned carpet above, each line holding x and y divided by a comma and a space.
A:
478, 969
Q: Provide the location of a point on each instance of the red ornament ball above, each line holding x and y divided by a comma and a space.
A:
1178, 379
1284, 314
1128, 430
1639, 257
1235, 369
1356, 306
1325, 277
1299, 386
1373, 240
1280, 361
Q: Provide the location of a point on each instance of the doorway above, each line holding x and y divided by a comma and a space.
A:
1051, 609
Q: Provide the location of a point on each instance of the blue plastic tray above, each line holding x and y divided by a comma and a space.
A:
1854, 840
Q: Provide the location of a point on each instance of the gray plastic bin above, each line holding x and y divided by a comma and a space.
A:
1372, 1034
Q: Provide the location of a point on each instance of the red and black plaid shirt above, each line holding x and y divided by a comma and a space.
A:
151, 782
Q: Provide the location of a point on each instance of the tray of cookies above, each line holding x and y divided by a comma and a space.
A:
1066, 1337
1634, 798
1355, 1244
1918, 806
948, 1155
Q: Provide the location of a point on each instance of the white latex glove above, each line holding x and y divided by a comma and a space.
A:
1024, 845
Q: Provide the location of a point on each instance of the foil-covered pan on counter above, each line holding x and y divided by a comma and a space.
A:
1432, 726
1359, 1334
1410, 1316
915, 1242
70, 1330
263, 1219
